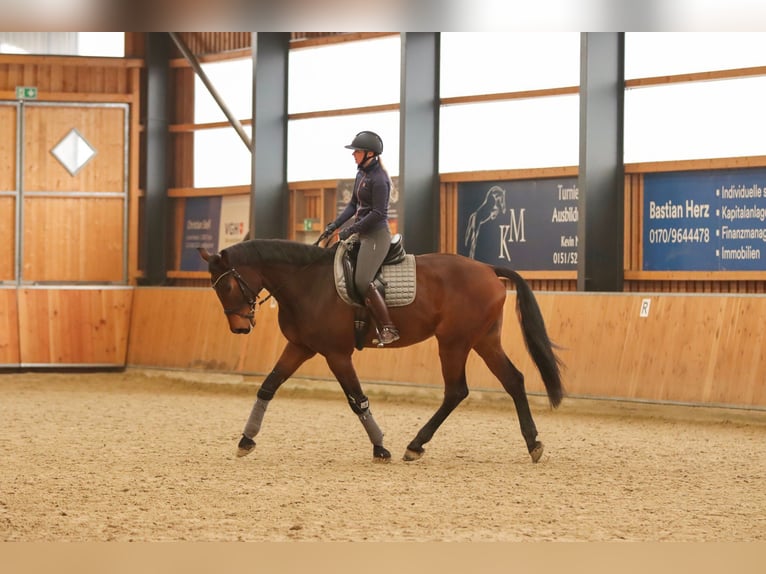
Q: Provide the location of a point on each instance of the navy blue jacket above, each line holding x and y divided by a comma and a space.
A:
369, 202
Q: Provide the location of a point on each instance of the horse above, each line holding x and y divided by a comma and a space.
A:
458, 300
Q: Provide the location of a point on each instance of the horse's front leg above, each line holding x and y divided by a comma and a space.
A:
344, 371
293, 356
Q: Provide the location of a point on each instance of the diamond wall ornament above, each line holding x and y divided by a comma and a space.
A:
73, 151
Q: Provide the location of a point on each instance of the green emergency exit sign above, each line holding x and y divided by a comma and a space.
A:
26, 92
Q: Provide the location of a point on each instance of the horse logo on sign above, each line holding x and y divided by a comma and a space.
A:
493, 205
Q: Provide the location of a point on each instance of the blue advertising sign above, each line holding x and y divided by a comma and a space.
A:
525, 224
201, 226
705, 221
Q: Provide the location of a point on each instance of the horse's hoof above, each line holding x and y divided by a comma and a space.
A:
245, 446
410, 455
380, 454
537, 451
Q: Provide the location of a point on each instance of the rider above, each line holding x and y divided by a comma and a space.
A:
368, 207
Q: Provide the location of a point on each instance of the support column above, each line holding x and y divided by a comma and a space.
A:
601, 177
268, 197
419, 141
154, 240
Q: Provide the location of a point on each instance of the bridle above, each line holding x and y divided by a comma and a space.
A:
247, 292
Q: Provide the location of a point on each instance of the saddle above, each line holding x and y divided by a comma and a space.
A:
395, 280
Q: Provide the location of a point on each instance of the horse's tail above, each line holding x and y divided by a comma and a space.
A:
540, 347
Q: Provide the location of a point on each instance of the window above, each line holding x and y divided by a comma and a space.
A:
345, 75
316, 145
650, 54
725, 120
475, 63
221, 158
513, 134
693, 119
336, 77
232, 80
517, 132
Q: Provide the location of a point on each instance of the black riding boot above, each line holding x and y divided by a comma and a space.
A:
377, 306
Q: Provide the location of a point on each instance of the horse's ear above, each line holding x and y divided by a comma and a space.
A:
204, 253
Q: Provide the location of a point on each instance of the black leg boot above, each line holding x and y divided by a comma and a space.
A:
377, 306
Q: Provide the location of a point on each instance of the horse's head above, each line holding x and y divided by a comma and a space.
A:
497, 194
235, 294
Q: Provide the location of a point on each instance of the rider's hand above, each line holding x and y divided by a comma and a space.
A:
344, 234
330, 228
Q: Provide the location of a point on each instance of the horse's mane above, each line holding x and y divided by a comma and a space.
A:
256, 251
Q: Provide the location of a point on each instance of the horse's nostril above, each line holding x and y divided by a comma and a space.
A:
241, 331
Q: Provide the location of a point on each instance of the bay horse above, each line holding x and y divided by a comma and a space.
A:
458, 300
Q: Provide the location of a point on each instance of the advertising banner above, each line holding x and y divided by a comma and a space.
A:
235, 220
214, 223
522, 224
705, 221
201, 227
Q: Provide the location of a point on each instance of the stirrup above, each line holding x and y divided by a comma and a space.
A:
387, 335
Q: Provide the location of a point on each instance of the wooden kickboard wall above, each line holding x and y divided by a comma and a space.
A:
62, 327
9, 328
695, 349
699, 349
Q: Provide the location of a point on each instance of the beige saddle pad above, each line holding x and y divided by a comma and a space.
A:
399, 278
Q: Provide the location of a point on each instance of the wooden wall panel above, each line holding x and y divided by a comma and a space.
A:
103, 128
448, 217
182, 328
632, 222
8, 186
738, 357
264, 344
182, 169
93, 229
60, 326
7, 238
7, 148
9, 329
181, 159
690, 349
67, 74
216, 42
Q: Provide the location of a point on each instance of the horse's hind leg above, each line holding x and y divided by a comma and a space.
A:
491, 351
293, 356
453, 360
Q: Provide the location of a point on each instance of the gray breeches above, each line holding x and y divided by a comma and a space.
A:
372, 251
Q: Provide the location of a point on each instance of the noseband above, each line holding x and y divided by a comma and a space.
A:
247, 292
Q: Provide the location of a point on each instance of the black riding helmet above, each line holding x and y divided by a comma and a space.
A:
367, 141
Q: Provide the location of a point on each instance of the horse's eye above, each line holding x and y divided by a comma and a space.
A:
222, 285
